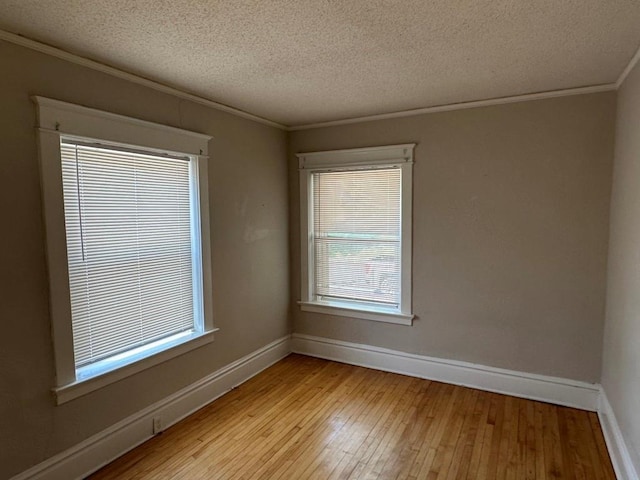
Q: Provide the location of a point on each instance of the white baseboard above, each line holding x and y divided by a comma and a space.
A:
102, 448
618, 451
555, 390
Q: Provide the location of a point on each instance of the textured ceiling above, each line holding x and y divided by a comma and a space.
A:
304, 61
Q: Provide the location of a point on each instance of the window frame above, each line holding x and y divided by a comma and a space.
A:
397, 156
57, 119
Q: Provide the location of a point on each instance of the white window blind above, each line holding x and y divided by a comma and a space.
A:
130, 247
356, 235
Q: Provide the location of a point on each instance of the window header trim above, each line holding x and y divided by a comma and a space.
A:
67, 119
357, 157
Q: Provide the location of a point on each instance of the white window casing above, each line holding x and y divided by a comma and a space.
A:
74, 131
355, 220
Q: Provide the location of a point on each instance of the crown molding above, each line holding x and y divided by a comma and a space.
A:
462, 106
625, 73
85, 62
73, 58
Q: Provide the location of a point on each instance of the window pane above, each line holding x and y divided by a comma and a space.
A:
128, 224
356, 238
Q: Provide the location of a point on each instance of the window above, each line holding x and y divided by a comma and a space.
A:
127, 238
356, 232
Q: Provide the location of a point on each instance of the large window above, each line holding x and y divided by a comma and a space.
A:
127, 243
356, 232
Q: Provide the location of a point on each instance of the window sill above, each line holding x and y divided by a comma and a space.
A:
345, 310
94, 378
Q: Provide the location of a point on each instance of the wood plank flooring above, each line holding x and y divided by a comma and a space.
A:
308, 418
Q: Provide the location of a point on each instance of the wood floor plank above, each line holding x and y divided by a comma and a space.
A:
416, 428
306, 418
443, 417
496, 419
567, 448
551, 438
436, 416
444, 456
541, 472
477, 441
462, 450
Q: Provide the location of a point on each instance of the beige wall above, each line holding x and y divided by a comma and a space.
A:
509, 229
249, 229
621, 363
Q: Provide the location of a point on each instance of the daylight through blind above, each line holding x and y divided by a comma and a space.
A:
356, 235
128, 226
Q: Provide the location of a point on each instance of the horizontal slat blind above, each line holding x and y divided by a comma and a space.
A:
128, 225
356, 235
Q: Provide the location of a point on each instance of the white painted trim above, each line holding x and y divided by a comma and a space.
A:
85, 62
54, 117
616, 444
625, 73
461, 106
74, 120
560, 391
357, 156
349, 311
102, 448
66, 393
57, 106
397, 156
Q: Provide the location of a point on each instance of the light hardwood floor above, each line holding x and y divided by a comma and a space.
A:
311, 418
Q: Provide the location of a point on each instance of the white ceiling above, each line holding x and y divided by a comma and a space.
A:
304, 61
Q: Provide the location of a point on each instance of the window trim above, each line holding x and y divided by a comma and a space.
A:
400, 156
56, 119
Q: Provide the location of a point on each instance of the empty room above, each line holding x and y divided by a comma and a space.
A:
320, 239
